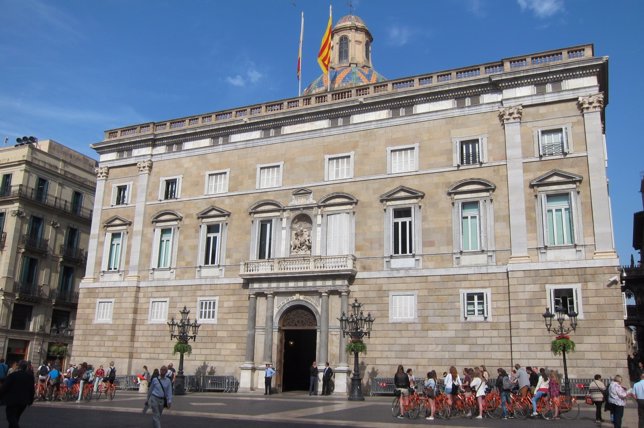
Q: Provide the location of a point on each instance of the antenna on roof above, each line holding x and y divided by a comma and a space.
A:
350, 4
6, 140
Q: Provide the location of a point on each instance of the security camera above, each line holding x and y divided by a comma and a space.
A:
613, 281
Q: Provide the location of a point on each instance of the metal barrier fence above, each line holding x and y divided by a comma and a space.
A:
385, 385
192, 383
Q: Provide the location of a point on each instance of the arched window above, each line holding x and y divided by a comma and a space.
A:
344, 50
367, 50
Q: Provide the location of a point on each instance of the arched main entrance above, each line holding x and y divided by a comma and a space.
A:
298, 341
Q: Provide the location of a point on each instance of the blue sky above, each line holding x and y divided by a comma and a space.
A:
70, 69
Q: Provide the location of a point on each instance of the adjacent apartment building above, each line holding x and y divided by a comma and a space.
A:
46, 199
456, 206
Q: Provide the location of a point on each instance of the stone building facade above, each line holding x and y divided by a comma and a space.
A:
46, 201
456, 206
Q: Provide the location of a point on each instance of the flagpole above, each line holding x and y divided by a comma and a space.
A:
299, 59
330, 46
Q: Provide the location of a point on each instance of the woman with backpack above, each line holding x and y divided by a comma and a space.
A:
430, 392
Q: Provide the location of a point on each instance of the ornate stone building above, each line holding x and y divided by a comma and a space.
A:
455, 205
46, 200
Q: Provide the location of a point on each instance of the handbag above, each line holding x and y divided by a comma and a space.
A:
165, 400
589, 400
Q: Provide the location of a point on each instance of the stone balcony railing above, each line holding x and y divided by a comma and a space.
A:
359, 93
299, 266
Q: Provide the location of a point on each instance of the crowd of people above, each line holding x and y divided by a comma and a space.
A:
525, 382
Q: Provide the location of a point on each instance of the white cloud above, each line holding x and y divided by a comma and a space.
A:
542, 8
251, 77
398, 35
53, 17
476, 8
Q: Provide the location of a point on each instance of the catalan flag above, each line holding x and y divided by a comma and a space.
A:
324, 56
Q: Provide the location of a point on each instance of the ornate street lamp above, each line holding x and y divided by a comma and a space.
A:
356, 326
562, 331
181, 330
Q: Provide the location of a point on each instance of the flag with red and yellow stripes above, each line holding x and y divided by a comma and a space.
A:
324, 56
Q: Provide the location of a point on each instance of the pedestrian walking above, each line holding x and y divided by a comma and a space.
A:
18, 393
638, 392
159, 396
616, 396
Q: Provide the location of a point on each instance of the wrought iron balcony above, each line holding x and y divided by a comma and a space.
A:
31, 292
64, 296
34, 243
344, 265
41, 197
73, 254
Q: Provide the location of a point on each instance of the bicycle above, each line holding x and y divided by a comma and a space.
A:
411, 408
41, 391
106, 388
568, 407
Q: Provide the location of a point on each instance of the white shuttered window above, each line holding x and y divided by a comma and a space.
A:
338, 238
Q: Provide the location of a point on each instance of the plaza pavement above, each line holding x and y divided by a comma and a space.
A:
279, 410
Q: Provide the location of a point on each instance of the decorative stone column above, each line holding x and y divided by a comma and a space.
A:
101, 177
511, 120
342, 370
324, 329
248, 368
145, 167
268, 334
591, 107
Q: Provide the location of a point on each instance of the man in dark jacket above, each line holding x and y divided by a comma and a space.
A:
18, 393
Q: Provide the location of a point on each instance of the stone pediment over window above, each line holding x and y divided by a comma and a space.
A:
265, 206
167, 216
213, 212
117, 221
402, 193
302, 197
471, 186
556, 178
337, 198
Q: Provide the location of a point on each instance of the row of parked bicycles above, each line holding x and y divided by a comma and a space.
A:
417, 404
48, 392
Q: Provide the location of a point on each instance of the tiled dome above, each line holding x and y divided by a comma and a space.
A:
344, 77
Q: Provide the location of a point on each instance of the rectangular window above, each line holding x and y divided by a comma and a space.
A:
207, 310
559, 227
470, 152
71, 243
470, 226
475, 305
158, 311
171, 188
104, 309
403, 160
121, 194
403, 243
165, 248
2, 220
265, 239
402, 307
116, 246
41, 189
338, 234
21, 317
29, 274
5, 185
566, 298
77, 202
339, 167
553, 142
66, 281
213, 239
269, 176
36, 228
217, 183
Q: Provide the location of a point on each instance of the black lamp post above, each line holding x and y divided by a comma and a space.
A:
356, 326
561, 330
181, 330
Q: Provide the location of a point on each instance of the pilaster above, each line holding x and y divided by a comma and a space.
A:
144, 167
591, 107
511, 120
101, 178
